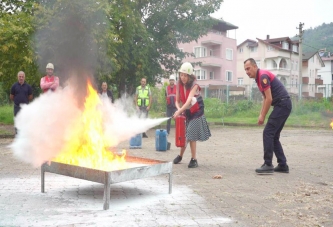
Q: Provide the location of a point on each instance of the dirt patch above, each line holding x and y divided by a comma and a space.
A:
7, 131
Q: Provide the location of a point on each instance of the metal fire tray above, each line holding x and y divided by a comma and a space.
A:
148, 168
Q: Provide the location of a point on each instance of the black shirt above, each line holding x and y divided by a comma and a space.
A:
21, 93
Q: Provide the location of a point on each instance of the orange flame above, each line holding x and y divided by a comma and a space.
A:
331, 124
88, 149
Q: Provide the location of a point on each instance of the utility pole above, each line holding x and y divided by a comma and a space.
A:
300, 59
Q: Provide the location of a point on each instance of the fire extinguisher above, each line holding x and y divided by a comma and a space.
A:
180, 131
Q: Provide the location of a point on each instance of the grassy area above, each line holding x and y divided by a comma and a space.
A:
6, 115
305, 113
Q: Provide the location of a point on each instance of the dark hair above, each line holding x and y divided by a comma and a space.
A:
191, 79
251, 60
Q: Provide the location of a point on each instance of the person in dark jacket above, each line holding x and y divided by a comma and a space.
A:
274, 94
105, 93
20, 93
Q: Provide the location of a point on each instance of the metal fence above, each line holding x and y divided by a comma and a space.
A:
231, 93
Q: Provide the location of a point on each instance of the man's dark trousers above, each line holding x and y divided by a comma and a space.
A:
273, 128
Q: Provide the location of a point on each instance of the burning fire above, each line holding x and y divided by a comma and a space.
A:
331, 124
88, 149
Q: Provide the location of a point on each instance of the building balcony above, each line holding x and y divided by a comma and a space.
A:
212, 39
318, 81
278, 69
305, 80
319, 95
210, 61
305, 94
284, 69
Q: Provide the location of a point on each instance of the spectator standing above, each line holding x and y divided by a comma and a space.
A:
170, 94
49, 81
143, 100
20, 93
105, 93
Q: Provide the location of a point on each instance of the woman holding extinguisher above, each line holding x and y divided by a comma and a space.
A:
189, 102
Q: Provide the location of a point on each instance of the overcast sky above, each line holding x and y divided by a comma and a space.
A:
277, 18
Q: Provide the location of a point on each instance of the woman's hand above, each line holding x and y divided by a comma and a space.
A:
177, 113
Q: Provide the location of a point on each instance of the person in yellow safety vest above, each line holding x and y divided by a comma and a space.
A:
143, 100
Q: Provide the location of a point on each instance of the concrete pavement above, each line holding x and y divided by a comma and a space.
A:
240, 198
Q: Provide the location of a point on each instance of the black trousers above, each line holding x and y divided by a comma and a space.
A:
170, 111
273, 128
17, 108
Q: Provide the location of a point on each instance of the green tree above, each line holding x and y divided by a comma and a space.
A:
150, 31
16, 54
120, 41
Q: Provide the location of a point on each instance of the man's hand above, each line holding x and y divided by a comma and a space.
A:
261, 119
148, 108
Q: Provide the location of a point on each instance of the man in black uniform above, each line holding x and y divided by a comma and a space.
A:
274, 94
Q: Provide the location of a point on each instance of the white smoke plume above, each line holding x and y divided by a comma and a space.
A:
47, 124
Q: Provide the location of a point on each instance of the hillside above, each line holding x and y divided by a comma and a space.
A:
320, 37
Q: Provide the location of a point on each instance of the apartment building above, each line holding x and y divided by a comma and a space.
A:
326, 74
216, 54
311, 80
280, 56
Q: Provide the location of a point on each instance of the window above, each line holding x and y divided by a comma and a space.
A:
253, 49
229, 54
228, 76
292, 82
274, 64
285, 45
200, 52
211, 52
200, 74
211, 75
332, 77
270, 48
295, 48
240, 81
283, 64
258, 63
240, 50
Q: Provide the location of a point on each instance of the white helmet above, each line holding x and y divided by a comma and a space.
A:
172, 77
49, 66
186, 68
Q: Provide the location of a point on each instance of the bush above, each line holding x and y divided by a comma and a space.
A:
303, 107
4, 99
159, 101
214, 108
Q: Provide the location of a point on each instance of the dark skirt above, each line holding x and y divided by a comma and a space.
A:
197, 129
